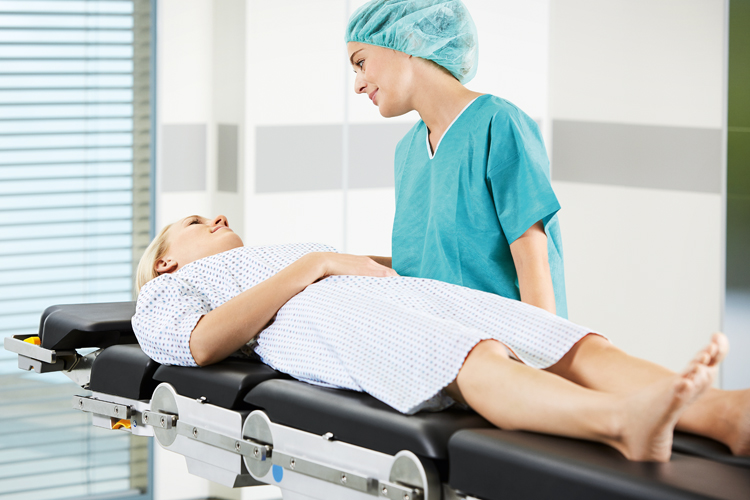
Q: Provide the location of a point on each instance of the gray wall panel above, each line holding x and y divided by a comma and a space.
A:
371, 151
678, 158
297, 158
227, 151
183, 150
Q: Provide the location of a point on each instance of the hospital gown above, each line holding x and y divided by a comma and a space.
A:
402, 340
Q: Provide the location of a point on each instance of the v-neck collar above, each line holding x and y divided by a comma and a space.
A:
430, 154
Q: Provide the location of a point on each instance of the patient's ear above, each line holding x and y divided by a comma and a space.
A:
165, 266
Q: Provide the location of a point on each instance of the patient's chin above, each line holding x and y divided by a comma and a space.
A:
229, 241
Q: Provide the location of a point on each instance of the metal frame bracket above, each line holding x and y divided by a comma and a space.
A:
159, 419
91, 405
244, 447
357, 482
37, 358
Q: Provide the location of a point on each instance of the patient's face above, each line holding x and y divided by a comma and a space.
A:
194, 238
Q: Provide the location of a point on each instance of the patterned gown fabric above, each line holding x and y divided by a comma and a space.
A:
402, 340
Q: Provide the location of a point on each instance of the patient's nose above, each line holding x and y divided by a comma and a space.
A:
221, 220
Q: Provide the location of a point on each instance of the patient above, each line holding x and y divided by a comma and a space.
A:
347, 321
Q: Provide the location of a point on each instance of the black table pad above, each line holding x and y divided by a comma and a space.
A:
124, 370
493, 464
359, 419
690, 444
73, 326
223, 384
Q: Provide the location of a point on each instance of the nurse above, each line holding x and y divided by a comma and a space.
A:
474, 203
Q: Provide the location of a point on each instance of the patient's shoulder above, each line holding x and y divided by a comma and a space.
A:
165, 287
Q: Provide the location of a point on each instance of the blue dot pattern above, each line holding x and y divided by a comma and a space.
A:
402, 340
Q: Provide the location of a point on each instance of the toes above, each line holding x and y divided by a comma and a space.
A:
703, 357
683, 385
714, 353
690, 371
696, 379
702, 379
721, 344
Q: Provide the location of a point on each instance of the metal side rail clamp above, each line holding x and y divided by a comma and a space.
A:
244, 447
91, 405
39, 359
373, 486
160, 420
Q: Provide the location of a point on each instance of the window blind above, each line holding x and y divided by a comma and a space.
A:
75, 151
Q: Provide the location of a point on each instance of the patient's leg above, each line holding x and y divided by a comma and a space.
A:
514, 396
722, 415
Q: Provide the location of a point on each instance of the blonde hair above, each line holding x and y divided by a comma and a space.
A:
147, 265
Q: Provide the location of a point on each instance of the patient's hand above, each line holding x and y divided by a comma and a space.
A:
356, 265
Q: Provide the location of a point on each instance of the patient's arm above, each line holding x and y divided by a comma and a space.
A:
231, 325
383, 261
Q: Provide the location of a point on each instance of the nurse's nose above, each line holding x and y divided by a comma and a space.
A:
220, 220
360, 85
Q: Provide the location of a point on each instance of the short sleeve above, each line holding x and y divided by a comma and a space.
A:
518, 174
166, 314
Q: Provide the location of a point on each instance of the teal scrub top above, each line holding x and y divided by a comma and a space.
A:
458, 212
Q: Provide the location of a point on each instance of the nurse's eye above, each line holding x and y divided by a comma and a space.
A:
360, 63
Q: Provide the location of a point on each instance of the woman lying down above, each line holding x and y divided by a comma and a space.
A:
345, 321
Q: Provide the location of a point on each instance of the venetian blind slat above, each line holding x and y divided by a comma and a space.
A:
75, 118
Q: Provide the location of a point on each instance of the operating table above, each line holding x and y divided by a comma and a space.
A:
241, 423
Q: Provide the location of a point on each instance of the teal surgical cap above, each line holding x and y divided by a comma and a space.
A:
439, 30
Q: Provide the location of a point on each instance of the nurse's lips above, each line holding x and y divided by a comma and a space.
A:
372, 96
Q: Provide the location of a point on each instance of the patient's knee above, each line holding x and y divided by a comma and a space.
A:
484, 354
592, 346
489, 348
476, 368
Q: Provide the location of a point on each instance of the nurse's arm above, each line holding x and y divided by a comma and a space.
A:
532, 266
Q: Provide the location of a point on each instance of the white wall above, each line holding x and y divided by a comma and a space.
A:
200, 80
643, 265
657, 62
183, 90
295, 77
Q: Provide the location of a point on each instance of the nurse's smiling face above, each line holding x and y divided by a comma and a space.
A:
194, 238
385, 75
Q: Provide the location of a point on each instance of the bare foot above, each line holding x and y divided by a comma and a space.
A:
650, 415
714, 353
725, 415
740, 442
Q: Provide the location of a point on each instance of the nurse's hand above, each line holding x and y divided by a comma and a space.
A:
355, 265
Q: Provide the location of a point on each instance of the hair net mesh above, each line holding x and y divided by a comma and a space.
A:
439, 30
